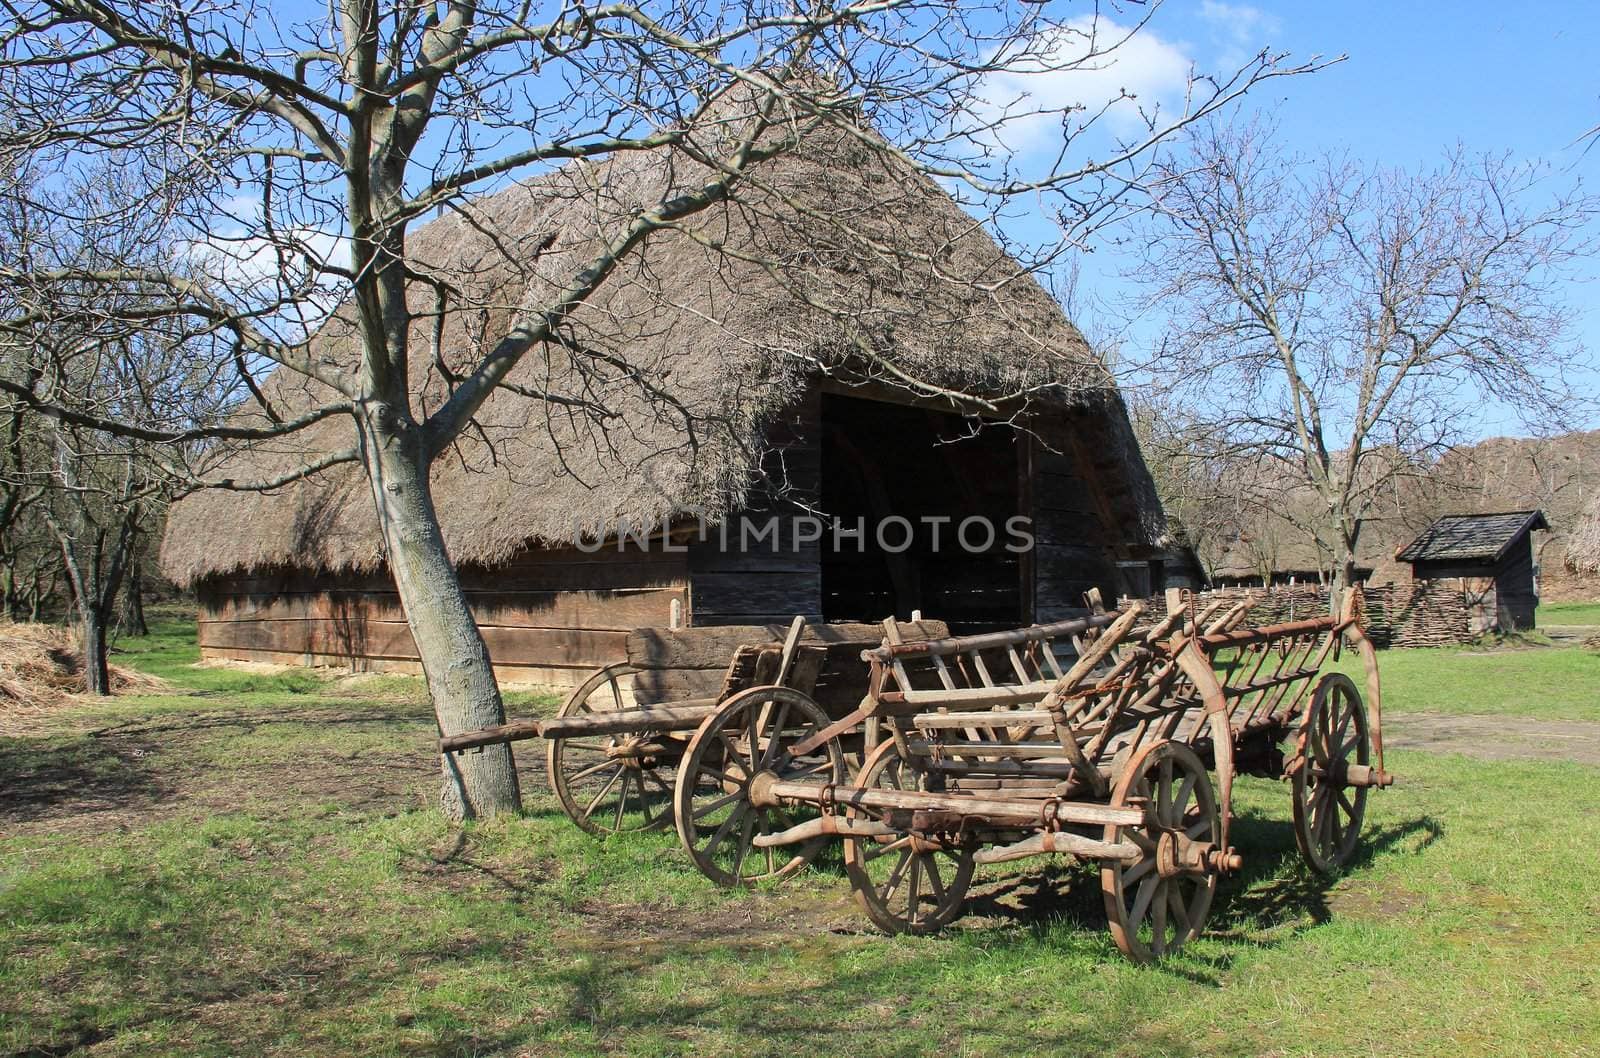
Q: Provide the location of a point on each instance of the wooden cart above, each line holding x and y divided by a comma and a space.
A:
1006, 745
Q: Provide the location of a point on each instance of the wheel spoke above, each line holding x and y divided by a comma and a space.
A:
622, 799
897, 875
1138, 870
935, 882
873, 851
722, 831
589, 811
1184, 793
590, 770
914, 889
1179, 911
1158, 919
746, 834
721, 802
774, 739
810, 769
1141, 902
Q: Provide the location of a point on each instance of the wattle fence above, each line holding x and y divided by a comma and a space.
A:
1412, 614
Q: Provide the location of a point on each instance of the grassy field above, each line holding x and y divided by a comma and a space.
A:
250, 865
1569, 613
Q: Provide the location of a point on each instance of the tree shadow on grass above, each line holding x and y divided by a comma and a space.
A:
40, 778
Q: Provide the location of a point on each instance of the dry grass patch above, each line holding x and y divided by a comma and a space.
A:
40, 669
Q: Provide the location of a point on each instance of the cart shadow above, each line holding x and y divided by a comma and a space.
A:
1275, 897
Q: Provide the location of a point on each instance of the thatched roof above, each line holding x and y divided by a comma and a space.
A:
688, 352
1472, 537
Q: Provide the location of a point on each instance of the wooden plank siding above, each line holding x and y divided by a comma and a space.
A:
1074, 541
547, 616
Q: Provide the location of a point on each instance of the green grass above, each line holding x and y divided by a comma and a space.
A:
247, 866
1538, 682
1569, 613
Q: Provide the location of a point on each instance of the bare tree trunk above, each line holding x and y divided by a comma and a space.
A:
455, 660
133, 622
92, 644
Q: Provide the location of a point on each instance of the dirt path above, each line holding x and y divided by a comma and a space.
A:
1569, 635
1496, 737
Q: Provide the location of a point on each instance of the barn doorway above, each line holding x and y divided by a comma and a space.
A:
908, 493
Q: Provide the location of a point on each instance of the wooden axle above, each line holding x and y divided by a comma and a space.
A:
1056, 841
766, 791
682, 716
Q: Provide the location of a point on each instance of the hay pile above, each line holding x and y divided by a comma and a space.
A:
39, 668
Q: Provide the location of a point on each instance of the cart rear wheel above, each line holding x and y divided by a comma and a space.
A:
1327, 812
905, 885
751, 733
1153, 912
610, 784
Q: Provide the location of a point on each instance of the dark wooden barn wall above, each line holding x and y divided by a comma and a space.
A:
1514, 587
547, 616
754, 585
1075, 530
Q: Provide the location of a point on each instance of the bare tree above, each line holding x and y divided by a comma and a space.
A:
298, 154
1349, 321
71, 494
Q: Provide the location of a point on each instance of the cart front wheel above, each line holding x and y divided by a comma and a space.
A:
1328, 811
1155, 905
752, 733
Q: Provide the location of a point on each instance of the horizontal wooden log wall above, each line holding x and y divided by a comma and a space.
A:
734, 584
548, 617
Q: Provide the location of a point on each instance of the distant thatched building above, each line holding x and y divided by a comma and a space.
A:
1492, 556
736, 368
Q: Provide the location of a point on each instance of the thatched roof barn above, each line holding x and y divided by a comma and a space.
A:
754, 362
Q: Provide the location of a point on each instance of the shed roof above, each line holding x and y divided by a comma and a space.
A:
1470, 537
686, 355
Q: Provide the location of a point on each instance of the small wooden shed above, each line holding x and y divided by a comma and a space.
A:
788, 355
1492, 554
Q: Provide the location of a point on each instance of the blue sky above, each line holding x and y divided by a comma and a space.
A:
1419, 78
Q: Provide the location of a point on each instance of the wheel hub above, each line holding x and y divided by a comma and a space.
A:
1178, 855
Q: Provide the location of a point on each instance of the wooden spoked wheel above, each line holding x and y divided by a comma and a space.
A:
905, 883
1152, 907
1327, 811
750, 734
611, 784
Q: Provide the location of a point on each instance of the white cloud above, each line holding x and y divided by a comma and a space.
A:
254, 269
1239, 30
1085, 65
